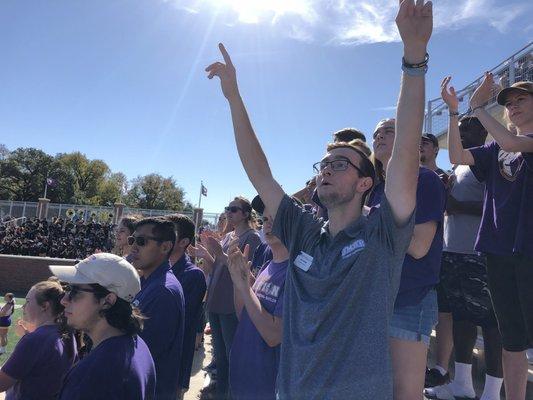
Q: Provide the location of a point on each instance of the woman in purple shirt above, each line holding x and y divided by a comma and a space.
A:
42, 356
506, 231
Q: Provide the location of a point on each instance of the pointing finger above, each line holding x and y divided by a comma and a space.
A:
225, 54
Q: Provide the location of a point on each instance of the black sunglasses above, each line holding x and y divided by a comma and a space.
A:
232, 209
336, 165
141, 240
72, 291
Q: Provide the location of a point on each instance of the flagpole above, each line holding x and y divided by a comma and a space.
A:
200, 197
45, 187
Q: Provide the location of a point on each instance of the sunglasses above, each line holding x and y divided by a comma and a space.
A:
232, 209
141, 240
71, 292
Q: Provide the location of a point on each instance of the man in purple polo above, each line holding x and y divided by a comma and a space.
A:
192, 280
160, 300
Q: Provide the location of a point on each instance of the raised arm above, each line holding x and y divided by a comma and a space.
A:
252, 156
415, 23
506, 139
458, 155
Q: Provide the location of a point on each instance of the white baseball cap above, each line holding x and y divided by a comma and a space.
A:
108, 270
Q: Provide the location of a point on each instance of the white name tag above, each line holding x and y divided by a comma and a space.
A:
303, 261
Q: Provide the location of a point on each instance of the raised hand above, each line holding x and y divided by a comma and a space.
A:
227, 74
239, 266
415, 24
448, 94
199, 251
483, 93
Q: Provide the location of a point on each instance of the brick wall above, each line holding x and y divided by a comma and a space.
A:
19, 273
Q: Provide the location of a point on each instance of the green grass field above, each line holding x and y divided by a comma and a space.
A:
12, 338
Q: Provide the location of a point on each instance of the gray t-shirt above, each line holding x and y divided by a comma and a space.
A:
220, 290
460, 230
336, 314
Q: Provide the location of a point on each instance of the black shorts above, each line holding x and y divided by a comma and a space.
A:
463, 289
511, 286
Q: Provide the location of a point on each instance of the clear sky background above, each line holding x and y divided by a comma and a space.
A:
123, 81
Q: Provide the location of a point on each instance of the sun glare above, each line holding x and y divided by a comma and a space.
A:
251, 11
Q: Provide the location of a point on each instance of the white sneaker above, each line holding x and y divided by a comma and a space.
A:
439, 392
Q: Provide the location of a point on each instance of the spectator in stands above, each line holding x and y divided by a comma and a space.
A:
160, 300
506, 231
429, 149
192, 281
220, 306
254, 358
42, 357
463, 291
97, 301
5, 320
343, 276
125, 229
348, 134
415, 308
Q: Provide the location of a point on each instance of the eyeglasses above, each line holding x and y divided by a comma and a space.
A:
336, 165
232, 209
141, 240
71, 292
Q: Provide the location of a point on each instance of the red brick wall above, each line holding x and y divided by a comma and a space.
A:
19, 273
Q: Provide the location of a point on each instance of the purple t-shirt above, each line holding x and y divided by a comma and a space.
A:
253, 363
420, 276
38, 363
119, 368
507, 221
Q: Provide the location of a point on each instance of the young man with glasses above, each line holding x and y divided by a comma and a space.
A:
192, 281
98, 301
343, 275
160, 300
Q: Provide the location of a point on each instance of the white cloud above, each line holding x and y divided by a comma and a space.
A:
348, 22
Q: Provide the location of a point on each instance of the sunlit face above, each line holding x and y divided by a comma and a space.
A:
31, 311
236, 215
82, 311
122, 235
519, 108
339, 187
221, 224
384, 139
428, 152
152, 254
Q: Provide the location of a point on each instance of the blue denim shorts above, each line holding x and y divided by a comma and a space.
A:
415, 323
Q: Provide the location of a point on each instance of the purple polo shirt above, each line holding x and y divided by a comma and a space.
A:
420, 276
161, 301
253, 363
507, 221
38, 363
119, 368
192, 281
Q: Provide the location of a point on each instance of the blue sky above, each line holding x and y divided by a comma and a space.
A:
124, 81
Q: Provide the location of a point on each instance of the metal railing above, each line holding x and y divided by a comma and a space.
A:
28, 209
518, 67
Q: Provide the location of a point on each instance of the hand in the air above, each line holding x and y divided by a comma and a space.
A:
415, 24
227, 74
239, 266
448, 94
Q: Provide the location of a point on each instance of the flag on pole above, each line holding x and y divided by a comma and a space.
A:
50, 182
204, 190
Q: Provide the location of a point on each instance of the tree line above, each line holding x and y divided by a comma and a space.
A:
75, 179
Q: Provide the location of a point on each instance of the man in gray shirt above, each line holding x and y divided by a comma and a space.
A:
343, 275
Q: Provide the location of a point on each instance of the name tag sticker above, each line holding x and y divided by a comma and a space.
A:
303, 261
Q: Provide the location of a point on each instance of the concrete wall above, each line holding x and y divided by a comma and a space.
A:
19, 273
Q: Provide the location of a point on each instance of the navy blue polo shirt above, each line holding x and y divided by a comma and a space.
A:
192, 281
161, 301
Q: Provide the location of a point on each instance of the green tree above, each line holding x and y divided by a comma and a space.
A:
23, 176
153, 191
4, 151
111, 188
89, 176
